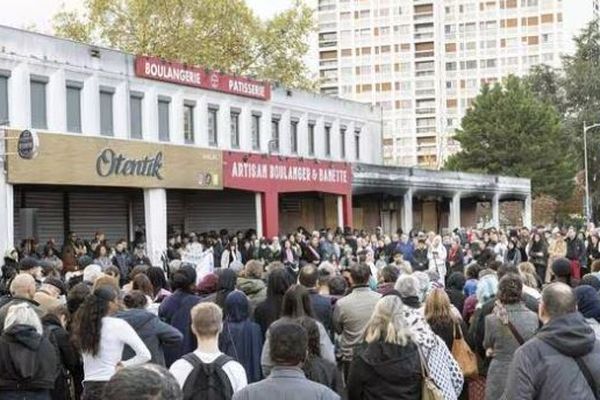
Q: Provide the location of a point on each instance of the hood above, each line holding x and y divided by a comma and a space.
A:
456, 281
588, 301
136, 317
237, 307
250, 286
227, 280
569, 334
25, 335
389, 361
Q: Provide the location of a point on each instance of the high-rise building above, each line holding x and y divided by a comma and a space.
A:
424, 61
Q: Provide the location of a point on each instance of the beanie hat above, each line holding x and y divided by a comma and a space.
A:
29, 262
561, 267
588, 301
590, 280
57, 283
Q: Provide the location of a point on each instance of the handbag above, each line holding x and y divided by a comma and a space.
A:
462, 353
429, 391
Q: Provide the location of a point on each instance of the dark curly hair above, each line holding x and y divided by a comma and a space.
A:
510, 289
87, 326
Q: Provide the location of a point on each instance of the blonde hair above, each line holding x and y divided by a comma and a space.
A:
527, 272
437, 306
387, 322
207, 319
22, 314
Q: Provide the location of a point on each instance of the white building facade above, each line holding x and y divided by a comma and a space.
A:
424, 61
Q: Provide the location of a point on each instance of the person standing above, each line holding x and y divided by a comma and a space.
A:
308, 277
122, 260
436, 256
562, 361
575, 252
352, 313
538, 254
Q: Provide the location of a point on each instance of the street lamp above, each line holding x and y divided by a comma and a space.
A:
588, 215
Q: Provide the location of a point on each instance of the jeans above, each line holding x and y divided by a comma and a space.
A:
25, 395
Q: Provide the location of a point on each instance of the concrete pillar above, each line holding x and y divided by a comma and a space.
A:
259, 214
527, 206
270, 212
454, 218
496, 210
347, 210
155, 211
407, 211
7, 207
340, 211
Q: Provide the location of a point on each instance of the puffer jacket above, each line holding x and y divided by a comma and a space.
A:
28, 361
255, 289
545, 366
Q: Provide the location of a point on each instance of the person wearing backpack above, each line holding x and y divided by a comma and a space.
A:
207, 373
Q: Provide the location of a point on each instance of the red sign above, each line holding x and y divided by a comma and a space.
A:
182, 74
263, 173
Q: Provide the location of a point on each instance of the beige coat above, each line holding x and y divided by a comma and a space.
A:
556, 249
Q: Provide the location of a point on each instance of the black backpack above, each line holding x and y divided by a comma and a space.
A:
207, 381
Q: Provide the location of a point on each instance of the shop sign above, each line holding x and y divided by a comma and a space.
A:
27, 144
189, 75
285, 174
99, 161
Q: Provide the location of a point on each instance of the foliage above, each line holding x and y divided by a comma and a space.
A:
508, 131
218, 34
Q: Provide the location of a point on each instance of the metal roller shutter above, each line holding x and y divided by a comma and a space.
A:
175, 211
50, 217
16, 221
228, 209
99, 211
137, 208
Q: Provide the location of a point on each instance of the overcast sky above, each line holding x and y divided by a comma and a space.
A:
25, 13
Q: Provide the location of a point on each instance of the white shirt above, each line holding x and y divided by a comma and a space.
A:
114, 335
181, 369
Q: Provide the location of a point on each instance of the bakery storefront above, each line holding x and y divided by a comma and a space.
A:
289, 192
86, 184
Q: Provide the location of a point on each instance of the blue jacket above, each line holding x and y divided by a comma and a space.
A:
407, 250
175, 311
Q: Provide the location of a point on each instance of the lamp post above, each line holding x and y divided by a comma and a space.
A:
588, 209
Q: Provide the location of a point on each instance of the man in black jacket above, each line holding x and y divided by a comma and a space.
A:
575, 252
308, 277
420, 261
562, 361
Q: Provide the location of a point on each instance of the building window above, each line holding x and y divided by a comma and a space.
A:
327, 140
188, 121
38, 102
274, 146
74, 106
135, 115
294, 136
357, 144
256, 131
311, 138
213, 128
106, 111
163, 118
4, 75
343, 142
235, 128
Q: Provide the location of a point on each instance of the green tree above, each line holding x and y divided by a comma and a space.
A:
218, 34
508, 131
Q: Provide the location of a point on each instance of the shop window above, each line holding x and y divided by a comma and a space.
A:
106, 111
213, 126
311, 138
74, 106
327, 140
38, 102
4, 75
256, 131
274, 145
343, 142
188, 121
234, 116
357, 144
294, 136
163, 118
135, 115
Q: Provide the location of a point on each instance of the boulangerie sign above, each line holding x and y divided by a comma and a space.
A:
189, 75
263, 173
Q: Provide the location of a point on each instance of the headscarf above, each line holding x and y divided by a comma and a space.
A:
237, 307
487, 287
226, 284
208, 284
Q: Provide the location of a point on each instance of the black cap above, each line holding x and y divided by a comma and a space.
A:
57, 283
29, 262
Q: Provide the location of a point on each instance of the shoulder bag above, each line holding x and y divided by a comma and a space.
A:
430, 391
463, 354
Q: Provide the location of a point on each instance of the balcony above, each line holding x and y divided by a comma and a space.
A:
426, 36
426, 110
327, 43
423, 17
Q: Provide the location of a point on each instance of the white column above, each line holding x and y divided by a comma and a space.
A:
527, 206
90, 106
407, 211
340, 212
454, 218
496, 210
259, 214
6, 206
155, 211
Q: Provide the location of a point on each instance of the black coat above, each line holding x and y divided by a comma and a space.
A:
420, 261
324, 372
28, 361
386, 371
323, 311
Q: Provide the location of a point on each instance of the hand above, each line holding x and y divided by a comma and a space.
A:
489, 353
119, 366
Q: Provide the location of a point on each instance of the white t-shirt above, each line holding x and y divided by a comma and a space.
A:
181, 369
114, 335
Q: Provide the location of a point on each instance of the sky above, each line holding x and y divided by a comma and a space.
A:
38, 13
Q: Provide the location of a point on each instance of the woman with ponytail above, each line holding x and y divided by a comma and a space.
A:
101, 339
389, 367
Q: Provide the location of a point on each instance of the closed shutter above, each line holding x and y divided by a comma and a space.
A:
99, 211
137, 208
50, 217
175, 211
228, 209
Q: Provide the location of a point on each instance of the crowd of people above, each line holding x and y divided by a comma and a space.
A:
331, 314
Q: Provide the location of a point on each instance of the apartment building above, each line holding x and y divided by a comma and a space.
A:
424, 61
